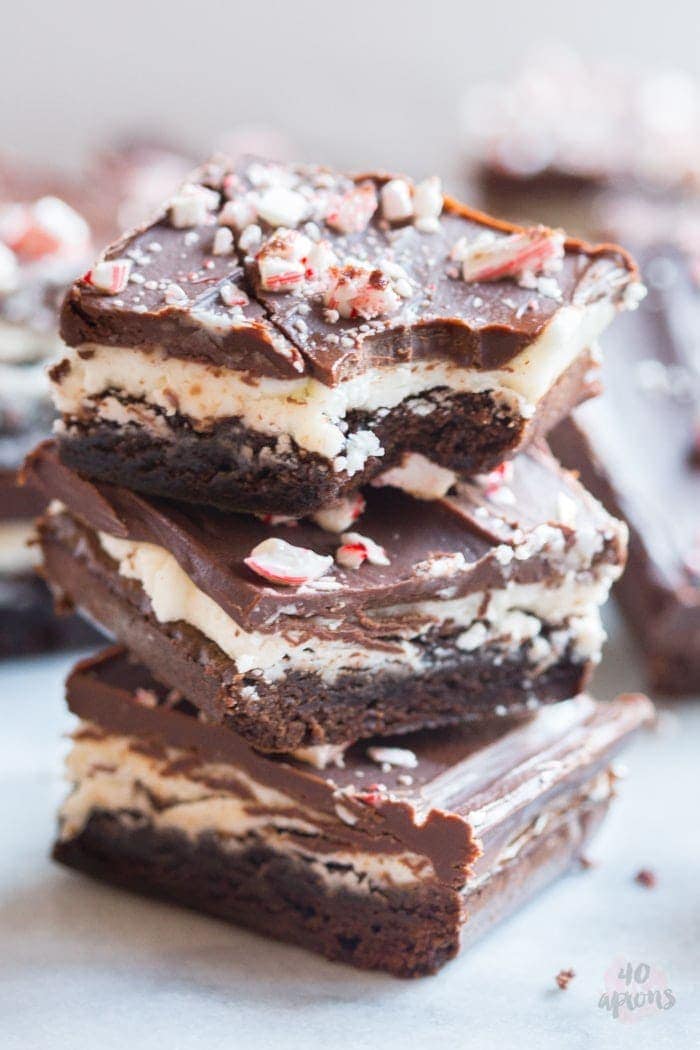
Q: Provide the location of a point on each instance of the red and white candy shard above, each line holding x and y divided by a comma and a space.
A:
419, 477
340, 515
278, 519
355, 290
357, 548
352, 212
282, 260
109, 276
490, 257
496, 479
282, 562
232, 295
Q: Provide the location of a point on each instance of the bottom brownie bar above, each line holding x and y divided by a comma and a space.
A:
389, 862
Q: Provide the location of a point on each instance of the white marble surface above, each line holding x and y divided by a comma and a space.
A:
84, 966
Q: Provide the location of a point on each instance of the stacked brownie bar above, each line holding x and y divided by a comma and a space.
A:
300, 479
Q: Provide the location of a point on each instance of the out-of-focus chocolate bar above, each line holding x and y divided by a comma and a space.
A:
637, 448
413, 847
281, 335
553, 141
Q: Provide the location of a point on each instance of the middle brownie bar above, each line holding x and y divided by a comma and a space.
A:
430, 614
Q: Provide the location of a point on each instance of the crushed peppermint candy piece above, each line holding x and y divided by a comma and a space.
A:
232, 295
397, 200
352, 212
351, 555
419, 477
109, 276
496, 479
174, 295
239, 213
283, 563
357, 548
319, 261
355, 290
278, 519
339, 516
192, 205
280, 206
9, 270
223, 241
394, 756
489, 257
282, 260
250, 238
427, 204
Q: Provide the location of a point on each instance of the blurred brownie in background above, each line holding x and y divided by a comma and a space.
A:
638, 447
44, 244
550, 143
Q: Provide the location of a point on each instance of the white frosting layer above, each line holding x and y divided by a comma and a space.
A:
16, 556
108, 774
507, 618
304, 409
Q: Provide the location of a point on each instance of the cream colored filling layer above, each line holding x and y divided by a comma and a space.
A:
508, 618
108, 774
304, 409
16, 556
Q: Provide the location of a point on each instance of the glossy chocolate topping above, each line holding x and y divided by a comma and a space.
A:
481, 325
496, 534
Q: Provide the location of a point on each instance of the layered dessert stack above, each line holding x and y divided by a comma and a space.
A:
300, 478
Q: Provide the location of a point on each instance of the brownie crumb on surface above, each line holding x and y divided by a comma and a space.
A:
645, 877
563, 978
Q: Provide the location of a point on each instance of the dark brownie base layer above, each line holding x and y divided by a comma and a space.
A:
301, 709
28, 623
407, 933
234, 468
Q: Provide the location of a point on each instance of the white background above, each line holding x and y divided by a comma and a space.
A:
362, 83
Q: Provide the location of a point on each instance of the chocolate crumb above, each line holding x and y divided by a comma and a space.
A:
563, 978
646, 877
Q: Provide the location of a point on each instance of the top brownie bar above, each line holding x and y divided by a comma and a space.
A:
280, 335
